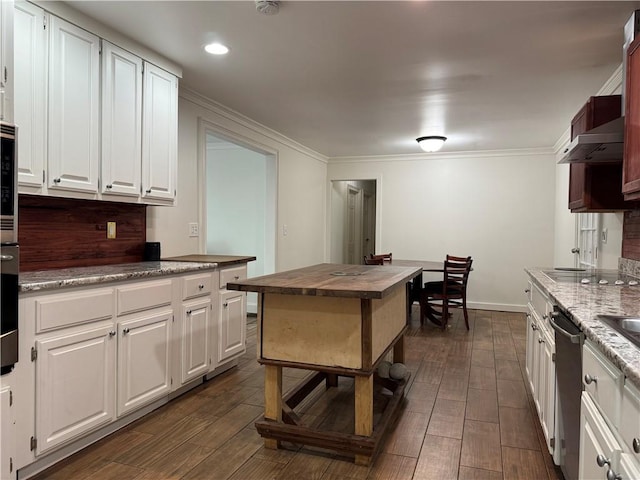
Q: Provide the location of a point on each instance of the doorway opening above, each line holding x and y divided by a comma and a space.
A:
353, 220
240, 204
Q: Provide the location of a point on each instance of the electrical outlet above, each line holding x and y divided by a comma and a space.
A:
194, 230
111, 229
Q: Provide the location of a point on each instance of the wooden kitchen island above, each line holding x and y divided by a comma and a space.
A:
335, 320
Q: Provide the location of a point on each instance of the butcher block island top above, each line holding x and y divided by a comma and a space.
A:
332, 280
335, 321
220, 260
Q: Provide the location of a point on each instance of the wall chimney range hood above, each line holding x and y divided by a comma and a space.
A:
603, 144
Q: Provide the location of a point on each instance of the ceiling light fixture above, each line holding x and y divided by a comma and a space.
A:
268, 7
216, 49
431, 143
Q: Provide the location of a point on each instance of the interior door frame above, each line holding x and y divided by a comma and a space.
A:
378, 217
206, 126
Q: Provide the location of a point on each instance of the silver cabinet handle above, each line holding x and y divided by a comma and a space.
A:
588, 379
200, 287
601, 460
225, 304
540, 340
545, 316
125, 331
611, 475
112, 333
575, 250
56, 180
109, 187
533, 326
188, 312
237, 277
636, 445
527, 290
148, 191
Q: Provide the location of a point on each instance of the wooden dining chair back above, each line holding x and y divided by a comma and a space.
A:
386, 257
437, 298
373, 261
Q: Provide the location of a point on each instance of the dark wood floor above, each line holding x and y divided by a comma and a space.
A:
467, 415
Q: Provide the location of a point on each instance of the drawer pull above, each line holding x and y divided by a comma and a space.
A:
200, 287
611, 475
601, 460
533, 326
540, 340
148, 191
112, 333
527, 291
636, 445
588, 379
237, 277
56, 180
225, 304
109, 187
125, 331
188, 312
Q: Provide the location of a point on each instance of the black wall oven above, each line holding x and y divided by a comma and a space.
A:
9, 250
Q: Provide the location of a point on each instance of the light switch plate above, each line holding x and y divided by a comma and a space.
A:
111, 229
194, 230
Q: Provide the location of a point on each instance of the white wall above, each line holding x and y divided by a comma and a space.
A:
497, 207
301, 198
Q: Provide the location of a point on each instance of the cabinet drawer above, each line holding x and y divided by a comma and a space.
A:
66, 309
630, 414
606, 383
232, 275
143, 296
539, 302
196, 285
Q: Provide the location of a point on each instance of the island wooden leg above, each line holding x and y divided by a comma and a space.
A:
363, 412
398, 351
272, 399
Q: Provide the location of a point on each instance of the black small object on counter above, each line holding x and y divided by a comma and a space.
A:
152, 251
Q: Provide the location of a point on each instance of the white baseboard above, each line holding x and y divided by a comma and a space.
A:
498, 307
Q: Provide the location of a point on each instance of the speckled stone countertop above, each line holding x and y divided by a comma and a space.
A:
584, 302
76, 277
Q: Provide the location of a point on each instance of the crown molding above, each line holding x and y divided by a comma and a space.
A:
613, 84
463, 155
246, 122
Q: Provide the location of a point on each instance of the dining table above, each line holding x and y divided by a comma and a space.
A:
416, 283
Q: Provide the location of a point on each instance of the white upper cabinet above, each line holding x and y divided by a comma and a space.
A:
121, 121
74, 102
30, 68
6, 60
159, 135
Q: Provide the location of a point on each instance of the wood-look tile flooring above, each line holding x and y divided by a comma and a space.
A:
467, 415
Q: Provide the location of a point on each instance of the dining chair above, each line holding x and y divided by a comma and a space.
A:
373, 261
437, 298
384, 256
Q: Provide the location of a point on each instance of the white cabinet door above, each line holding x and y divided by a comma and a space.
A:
531, 348
195, 339
232, 324
74, 102
143, 360
548, 378
159, 134
30, 106
75, 390
121, 121
596, 443
7, 434
6, 61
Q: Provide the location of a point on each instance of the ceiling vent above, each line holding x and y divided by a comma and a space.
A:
267, 7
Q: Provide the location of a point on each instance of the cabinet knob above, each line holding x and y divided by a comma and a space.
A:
109, 187
601, 460
148, 191
125, 331
540, 340
237, 277
56, 180
200, 286
588, 379
533, 326
545, 316
527, 290
611, 475
636, 445
112, 333
225, 304
188, 312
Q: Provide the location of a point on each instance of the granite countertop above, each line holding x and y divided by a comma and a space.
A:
80, 276
220, 260
584, 302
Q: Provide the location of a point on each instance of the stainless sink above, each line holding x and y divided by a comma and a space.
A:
628, 327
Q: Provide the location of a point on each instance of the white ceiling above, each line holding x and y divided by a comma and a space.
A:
367, 78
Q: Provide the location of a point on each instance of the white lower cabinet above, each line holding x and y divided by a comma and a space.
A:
195, 339
7, 433
232, 324
599, 450
143, 360
75, 384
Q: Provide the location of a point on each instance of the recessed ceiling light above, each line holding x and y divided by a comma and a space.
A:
216, 49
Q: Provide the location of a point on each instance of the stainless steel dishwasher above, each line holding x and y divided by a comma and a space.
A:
569, 340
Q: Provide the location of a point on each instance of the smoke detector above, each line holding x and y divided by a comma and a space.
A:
267, 7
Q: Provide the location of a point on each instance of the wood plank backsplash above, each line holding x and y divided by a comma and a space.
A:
62, 232
631, 235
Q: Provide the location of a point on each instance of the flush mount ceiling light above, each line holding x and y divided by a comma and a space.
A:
432, 143
216, 49
268, 7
